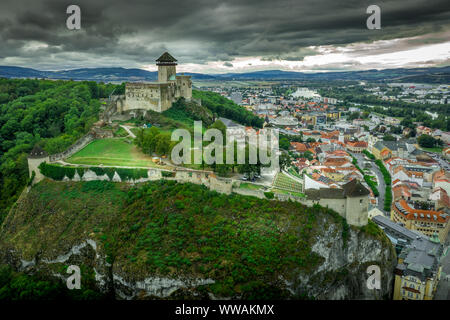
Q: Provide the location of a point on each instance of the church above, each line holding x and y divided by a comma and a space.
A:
158, 96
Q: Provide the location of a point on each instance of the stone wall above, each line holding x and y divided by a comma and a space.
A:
77, 146
89, 175
144, 96
249, 192
221, 185
287, 197
33, 164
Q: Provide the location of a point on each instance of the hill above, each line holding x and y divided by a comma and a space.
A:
168, 240
425, 75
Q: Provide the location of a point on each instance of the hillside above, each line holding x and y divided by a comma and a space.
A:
169, 240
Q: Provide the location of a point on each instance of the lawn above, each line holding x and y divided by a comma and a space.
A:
112, 152
250, 186
296, 194
435, 150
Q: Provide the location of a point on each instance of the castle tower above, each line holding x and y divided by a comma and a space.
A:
166, 67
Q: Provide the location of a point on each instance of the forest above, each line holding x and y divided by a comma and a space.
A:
52, 114
223, 107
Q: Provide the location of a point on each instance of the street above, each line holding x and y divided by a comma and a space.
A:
381, 185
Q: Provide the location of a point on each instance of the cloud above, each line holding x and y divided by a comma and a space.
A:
134, 33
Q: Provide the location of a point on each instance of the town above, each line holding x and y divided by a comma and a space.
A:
402, 163
363, 161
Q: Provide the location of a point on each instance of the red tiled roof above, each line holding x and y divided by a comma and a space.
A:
409, 213
357, 144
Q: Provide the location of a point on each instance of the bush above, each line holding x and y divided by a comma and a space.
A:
98, 186
369, 182
168, 174
269, 195
369, 155
56, 172
30, 181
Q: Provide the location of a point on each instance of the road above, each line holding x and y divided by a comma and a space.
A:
443, 288
127, 129
381, 185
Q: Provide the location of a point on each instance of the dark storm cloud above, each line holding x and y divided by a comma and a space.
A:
135, 32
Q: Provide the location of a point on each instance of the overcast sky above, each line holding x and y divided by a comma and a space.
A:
210, 36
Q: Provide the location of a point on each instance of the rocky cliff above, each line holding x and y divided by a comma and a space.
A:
167, 240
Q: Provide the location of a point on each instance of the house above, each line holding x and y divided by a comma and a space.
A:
418, 272
440, 198
428, 222
423, 130
446, 153
441, 179
356, 146
351, 201
380, 151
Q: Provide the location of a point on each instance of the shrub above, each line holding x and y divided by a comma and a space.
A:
98, 186
369, 155
56, 172
269, 195
168, 174
30, 181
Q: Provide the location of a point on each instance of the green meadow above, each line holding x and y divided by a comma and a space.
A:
112, 152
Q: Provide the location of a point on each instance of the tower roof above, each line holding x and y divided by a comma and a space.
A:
354, 188
166, 58
37, 152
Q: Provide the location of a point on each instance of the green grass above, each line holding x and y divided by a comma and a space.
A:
296, 194
283, 182
435, 149
250, 186
294, 173
112, 152
120, 132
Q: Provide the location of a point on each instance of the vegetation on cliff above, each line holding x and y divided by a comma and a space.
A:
21, 286
174, 230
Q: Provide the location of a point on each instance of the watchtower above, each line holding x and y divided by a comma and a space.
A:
166, 68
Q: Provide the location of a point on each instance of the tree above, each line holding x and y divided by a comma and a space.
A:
284, 143
388, 137
285, 161
426, 141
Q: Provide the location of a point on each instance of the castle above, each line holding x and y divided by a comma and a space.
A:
158, 96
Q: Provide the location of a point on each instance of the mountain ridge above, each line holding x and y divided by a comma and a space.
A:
112, 74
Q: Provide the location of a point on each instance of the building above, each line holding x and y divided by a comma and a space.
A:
417, 273
428, 222
351, 201
356, 146
386, 149
314, 118
158, 96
